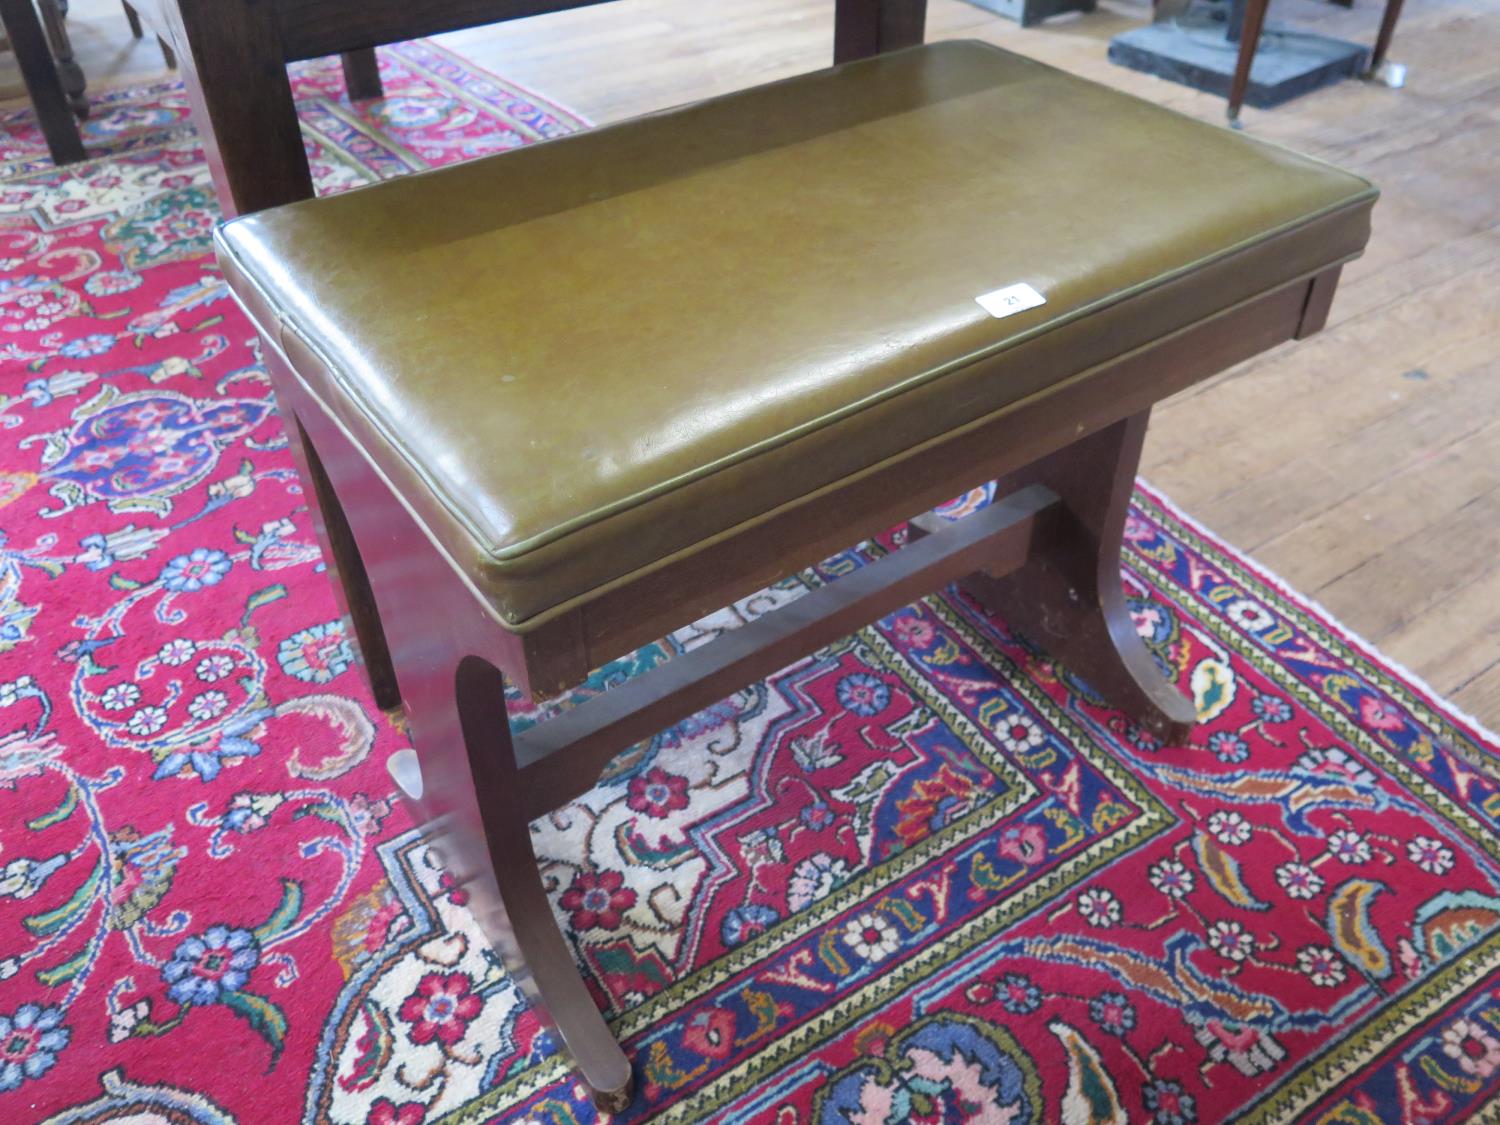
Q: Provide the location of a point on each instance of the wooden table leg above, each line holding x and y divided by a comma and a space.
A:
233, 65
362, 75
1069, 600
1255, 22
862, 28
24, 30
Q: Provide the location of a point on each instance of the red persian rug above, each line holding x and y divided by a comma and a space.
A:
922, 876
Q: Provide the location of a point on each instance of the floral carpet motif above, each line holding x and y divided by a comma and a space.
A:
921, 876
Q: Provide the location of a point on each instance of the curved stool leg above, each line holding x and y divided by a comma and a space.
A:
1070, 600
351, 582
480, 693
461, 781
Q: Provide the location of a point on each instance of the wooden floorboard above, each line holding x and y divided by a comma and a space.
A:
1360, 464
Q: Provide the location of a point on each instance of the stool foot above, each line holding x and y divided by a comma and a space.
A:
1095, 638
1069, 600
612, 1101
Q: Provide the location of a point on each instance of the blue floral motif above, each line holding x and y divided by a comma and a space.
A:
1269, 709
816, 815
208, 760
147, 447
748, 921
864, 694
1019, 995
86, 346
195, 571
106, 283
29, 1043
711, 718
207, 965
316, 654
1228, 746
1113, 1012
1167, 1103
946, 1068
195, 294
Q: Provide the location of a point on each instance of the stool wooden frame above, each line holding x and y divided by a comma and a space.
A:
1045, 556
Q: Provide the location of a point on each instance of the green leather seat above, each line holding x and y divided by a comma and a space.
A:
579, 359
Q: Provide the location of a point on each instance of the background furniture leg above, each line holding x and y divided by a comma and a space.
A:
362, 75
24, 30
136, 31
1070, 600
68, 71
1255, 21
862, 28
1387, 30
249, 97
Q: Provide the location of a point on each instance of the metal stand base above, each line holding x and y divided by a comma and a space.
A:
1029, 13
1194, 51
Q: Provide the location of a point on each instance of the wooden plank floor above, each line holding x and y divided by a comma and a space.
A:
1363, 465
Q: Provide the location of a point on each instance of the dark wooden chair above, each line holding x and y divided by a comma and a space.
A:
233, 55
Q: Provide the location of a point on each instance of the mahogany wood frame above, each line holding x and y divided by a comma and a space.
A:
233, 56
1046, 557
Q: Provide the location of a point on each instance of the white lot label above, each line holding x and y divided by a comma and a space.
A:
1012, 299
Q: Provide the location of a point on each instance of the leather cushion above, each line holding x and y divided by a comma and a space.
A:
583, 357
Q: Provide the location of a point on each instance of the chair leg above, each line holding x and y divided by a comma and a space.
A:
1387, 32
352, 585
75, 85
29, 44
1070, 600
602, 1065
1255, 22
362, 75
136, 30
